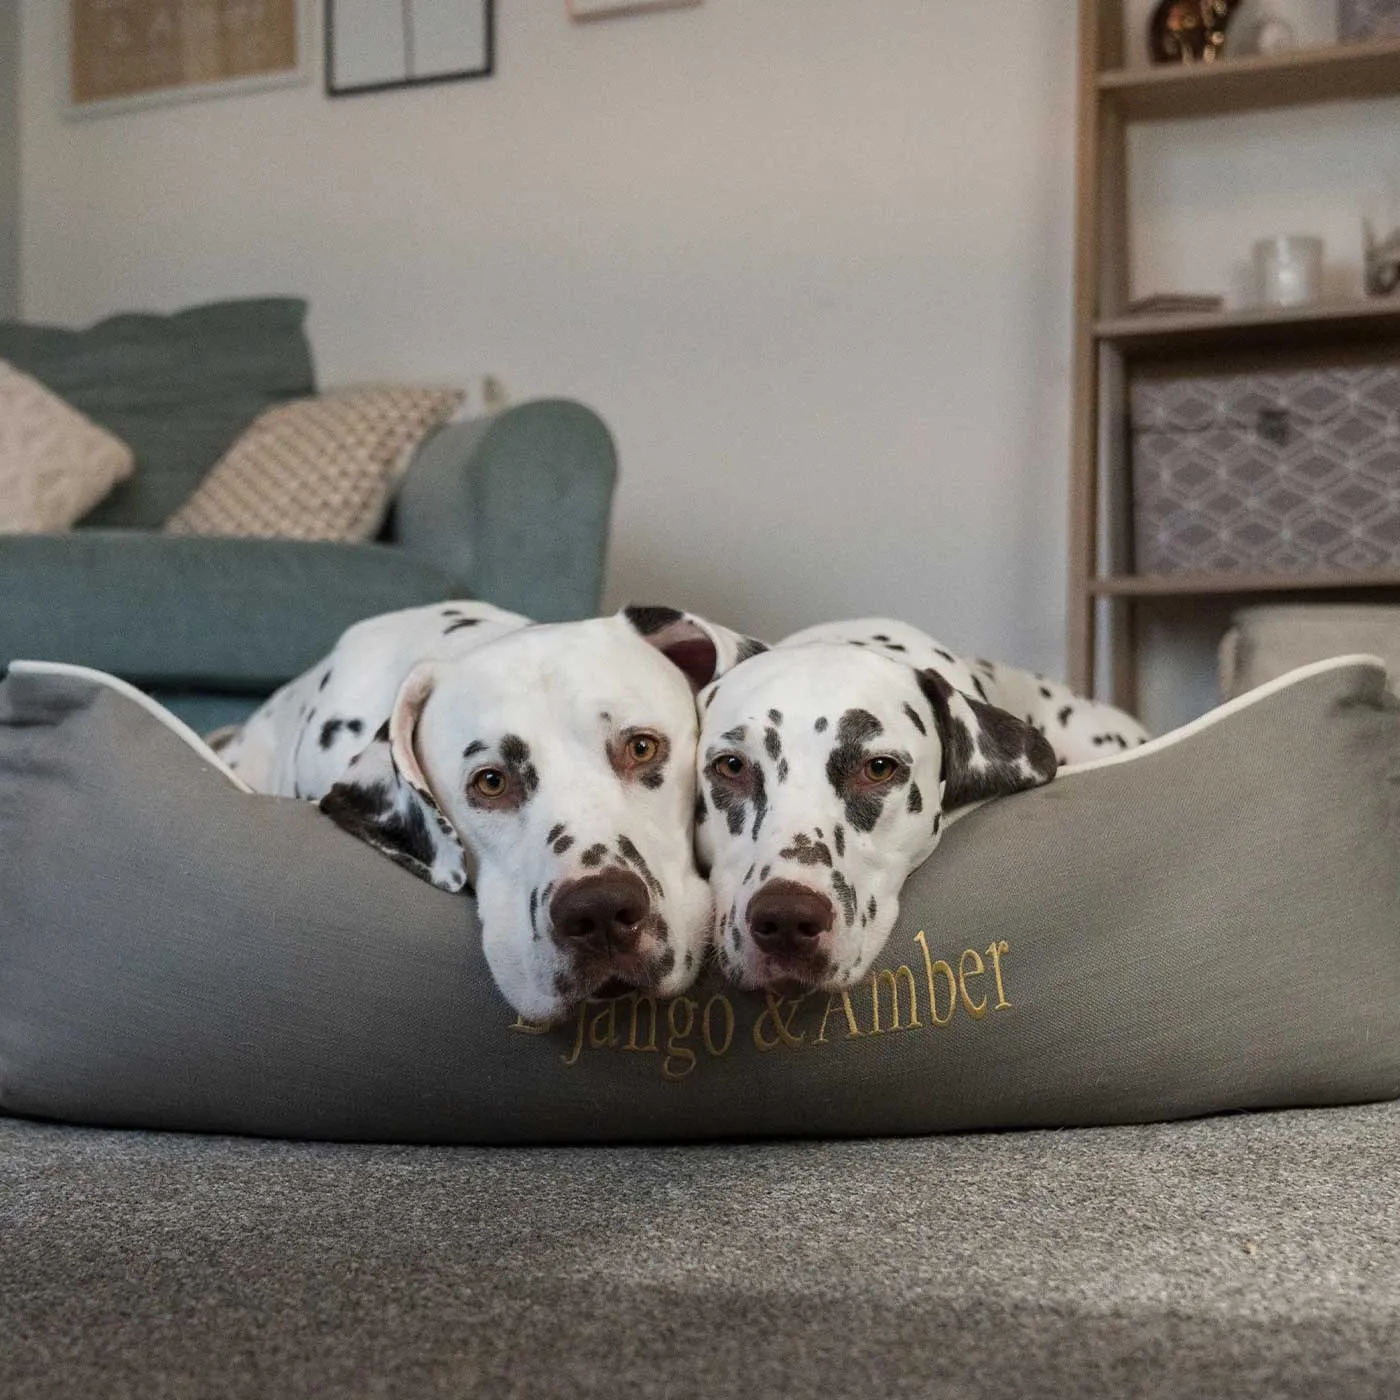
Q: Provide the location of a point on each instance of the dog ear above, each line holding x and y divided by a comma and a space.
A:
384, 797
987, 752
703, 650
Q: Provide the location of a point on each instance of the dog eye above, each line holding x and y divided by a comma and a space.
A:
490, 782
729, 765
643, 747
881, 768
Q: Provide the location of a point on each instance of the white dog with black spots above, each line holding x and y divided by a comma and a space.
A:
547, 768
826, 768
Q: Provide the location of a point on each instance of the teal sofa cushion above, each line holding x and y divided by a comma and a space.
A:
227, 614
178, 389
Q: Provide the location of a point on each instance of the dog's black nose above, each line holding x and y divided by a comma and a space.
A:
787, 919
602, 913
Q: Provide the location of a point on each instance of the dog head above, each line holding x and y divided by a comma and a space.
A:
825, 771
552, 771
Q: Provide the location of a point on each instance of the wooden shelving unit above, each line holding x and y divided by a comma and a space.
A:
1106, 596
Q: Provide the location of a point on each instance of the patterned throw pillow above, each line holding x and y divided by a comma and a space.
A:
316, 469
55, 464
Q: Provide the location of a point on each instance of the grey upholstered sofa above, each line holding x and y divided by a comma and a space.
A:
511, 507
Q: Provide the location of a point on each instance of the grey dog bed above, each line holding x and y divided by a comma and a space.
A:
1209, 923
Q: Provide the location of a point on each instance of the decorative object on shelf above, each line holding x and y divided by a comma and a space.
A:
1189, 31
1176, 304
610, 9
134, 53
1288, 269
1367, 19
1267, 473
376, 45
1382, 262
1261, 33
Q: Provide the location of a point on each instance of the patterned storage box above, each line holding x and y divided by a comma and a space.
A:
1271, 473
1368, 19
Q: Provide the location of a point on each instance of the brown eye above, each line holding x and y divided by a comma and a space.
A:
643, 748
729, 765
880, 769
490, 782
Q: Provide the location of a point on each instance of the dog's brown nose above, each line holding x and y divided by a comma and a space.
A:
600, 913
787, 920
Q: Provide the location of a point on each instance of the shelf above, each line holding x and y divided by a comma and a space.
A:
1225, 584
1336, 73
1296, 328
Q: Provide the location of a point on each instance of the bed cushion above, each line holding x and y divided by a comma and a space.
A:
1209, 923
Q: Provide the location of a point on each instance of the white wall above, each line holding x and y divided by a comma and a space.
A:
810, 259
9, 157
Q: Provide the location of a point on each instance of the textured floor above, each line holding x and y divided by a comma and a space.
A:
1256, 1255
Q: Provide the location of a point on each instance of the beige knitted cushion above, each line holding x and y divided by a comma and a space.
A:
55, 464
316, 469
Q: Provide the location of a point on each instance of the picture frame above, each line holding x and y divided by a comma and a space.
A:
611, 9
381, 45
125, 55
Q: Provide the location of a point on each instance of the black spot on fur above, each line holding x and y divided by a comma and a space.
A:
782, 770
749, 875
805, 851
775, 717
593, 856
555, 832
895, 646
914, 719
324, 680
880, 637
329, 732
663, 934
534, 909
946, 655
665, 963
1064, 714
916, 798
838, 839
1045, 692
872, 908
563, 844
369, 812
635, 858
651, 620
760, 799
846, 894
460, 623
772, 744
735, 735
475, 747
764, 874
515, 754
854, 731
820, 725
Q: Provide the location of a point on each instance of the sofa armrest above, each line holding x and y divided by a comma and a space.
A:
516, 505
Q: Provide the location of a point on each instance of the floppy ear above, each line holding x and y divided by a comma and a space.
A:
384, 797
987, 752
703, 650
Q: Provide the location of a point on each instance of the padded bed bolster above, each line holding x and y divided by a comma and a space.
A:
1209, 923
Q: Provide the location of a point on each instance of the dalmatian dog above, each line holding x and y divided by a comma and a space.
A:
827, 767
549, 769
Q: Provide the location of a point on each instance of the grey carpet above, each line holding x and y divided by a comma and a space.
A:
1247, 1256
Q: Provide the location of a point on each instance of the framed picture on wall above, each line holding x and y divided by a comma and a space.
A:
376, 45
133, 53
